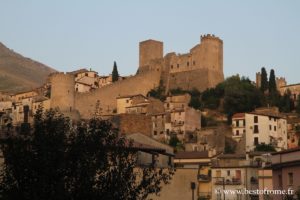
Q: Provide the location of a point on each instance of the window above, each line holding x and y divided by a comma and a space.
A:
237, 132
256, 141
290, 178
177, 65
171, 66
168, 132
161, 132
127, 101
270, 127
155, 133
255, 119
228, 172
255, 129
244, 123
270, 118
194, 62
187, 64
244, 131
274, 128
86, 74
237, 123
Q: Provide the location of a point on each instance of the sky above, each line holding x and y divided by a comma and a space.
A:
71, 34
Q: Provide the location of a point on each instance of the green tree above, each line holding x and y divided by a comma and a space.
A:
115, 73
87, 161
272, 82
264, 80
264, 147
298, 104
240, 96
158, 92
286, 103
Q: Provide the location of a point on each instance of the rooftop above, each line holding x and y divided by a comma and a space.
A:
191, 155
238, 115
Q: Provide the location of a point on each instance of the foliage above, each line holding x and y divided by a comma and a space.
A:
240, 95
229, 149
115, 73
176, 143
298, 104
264, 147
286, 103
158, 93
264, 80
86, 161
272, 82
208, 121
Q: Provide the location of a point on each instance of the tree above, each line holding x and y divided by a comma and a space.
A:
286, 103
272, 82
264, 80
298, 104
115, 73
240, 96
264, 147
85, 161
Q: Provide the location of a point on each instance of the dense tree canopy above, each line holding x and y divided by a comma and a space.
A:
57, 160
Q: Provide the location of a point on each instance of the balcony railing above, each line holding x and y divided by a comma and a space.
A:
232, 181
204, 178
205, 195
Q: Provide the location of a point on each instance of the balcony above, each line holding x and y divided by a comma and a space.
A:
205, 195
228, 181
204, 178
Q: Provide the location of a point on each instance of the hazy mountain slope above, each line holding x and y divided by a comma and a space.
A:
18, 73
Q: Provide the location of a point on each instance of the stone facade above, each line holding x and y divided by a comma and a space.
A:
201, 68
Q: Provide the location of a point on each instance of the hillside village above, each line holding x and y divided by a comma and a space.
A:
181, 103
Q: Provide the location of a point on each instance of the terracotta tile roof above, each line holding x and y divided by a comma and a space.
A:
239, 115
287, 151
191, 155
232, 156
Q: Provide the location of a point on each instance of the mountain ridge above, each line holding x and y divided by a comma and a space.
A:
19, 73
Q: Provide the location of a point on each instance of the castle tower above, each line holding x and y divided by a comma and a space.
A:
258, 80
62, 92
149, 50
211, 58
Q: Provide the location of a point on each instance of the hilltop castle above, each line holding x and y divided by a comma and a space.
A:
201, 68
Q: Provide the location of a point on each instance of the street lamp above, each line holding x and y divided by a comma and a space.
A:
193, 187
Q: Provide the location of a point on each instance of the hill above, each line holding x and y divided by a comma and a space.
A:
18, 73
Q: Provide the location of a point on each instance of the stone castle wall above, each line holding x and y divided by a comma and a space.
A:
142, 83
205, 59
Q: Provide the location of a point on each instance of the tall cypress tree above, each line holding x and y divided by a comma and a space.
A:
264, 80
272, 82
115, 73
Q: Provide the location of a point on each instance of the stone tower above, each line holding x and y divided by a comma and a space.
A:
62, 92
149, 50
258, 79
211, 58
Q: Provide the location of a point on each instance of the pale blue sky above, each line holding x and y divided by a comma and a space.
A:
70, 34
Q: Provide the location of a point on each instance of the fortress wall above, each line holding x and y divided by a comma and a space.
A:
142, 83
189, 79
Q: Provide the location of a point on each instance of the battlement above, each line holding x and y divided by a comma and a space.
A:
210, 37
61, 76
